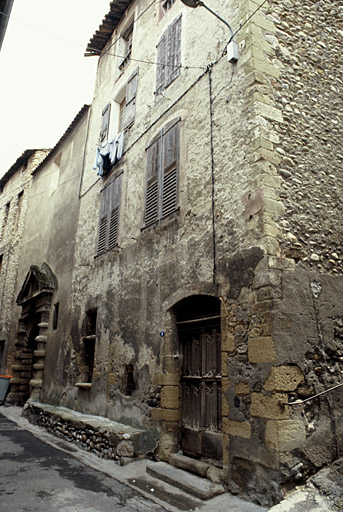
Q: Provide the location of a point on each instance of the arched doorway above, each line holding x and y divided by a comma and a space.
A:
35, 301
198, 324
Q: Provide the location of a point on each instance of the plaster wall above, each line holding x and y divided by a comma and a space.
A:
50, 236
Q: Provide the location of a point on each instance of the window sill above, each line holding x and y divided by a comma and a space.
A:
162, 222
84, 385
115, 250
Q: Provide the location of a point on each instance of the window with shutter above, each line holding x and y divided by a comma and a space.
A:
105, 122
109, 216
168, 56
161, 198
130, 100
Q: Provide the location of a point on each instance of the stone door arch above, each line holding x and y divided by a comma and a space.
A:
35, 300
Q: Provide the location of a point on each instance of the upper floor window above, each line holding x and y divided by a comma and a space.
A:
105, 122
161, 197
167, 4
125, 47
128, 104
109, 215
168, 56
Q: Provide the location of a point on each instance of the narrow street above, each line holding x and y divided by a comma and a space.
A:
35, 477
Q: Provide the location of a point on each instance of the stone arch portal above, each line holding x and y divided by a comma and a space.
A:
35, 300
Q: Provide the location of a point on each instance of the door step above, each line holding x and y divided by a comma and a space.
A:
198, 467
193, 485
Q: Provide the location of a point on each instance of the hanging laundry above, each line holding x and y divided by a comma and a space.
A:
108, 154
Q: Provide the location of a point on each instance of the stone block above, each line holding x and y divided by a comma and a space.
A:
261, 350
170, 397
283, 436
228, 342
166, 379
237, 428
269, 406
112, 378
226, 383
171, 364
165, 414
284, 378
242, 388
39, 353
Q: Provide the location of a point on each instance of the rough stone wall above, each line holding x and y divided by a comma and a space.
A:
11, 243
307, 326
309, 92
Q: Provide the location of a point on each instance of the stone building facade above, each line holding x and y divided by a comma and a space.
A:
203, 283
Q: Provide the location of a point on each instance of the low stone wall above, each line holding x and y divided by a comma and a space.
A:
101, 436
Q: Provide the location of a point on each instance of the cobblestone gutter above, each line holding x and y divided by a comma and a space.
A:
101, 436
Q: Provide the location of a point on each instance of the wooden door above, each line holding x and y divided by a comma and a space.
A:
201, 418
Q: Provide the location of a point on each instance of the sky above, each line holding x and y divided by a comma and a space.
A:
44, 77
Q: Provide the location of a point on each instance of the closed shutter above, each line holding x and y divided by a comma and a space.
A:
109, 216
105, 122
161, 63
103, 223
174, 51
114, 213
171, 137
130, 100
152, 186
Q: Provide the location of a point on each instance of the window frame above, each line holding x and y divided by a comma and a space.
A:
109, 218
161, 199
168, 56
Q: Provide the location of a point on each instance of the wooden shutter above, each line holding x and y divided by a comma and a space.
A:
105, 122
152, 185
161, 59
171, 142
130, 100
174, 51
103, 223
109, 216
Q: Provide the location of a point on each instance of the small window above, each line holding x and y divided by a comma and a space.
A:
19, 207
5, 218
1, 259
161, 197
127, 102
55, 316
88, 348
168, 56
129, 384
167, 4
126, 47
109, 216
105, 122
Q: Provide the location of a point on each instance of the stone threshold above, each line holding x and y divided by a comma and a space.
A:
99, 435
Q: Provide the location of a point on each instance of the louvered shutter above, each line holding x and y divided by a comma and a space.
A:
109, 216
161, 63
103, 223
105, 122
152, 184
174, 51
130, 100
171, 136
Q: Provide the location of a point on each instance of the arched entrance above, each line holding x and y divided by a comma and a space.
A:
35, 300
198, 324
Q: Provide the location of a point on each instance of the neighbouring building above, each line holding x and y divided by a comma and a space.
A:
181, 264
14, 191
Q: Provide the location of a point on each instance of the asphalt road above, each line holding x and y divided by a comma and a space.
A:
35, 477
